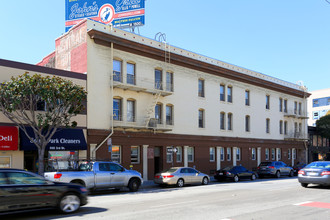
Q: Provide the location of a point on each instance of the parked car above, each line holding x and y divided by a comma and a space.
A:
234, 173
181, 176
274, 168
298, 167
99, 175
317, 172
23, 191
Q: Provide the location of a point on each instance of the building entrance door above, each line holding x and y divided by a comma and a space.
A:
158, 163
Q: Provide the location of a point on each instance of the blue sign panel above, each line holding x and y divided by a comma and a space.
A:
63, 140
121, 13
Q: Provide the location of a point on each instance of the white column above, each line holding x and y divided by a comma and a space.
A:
234, 156
218, 158
185, 156
259, 156
145, 162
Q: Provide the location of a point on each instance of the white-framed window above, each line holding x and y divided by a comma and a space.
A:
117, 71
159, 79
253, 153
267, 125
212, 154
130, 110
201, 88
222, 93
289, 153
130, 73
281, 127
116, 153
5, 161
247, 123
169, 114
190, 154
238, 154
281, 104
135, 154
222, 154
273, 154
267, 153
179, 154
294, 156
295, 108
285, 127
247, 97
279, 153
169, 155
222, 121
201, 120
267, 102
169, 81
285, 103
228, 154
230, 121
229, 94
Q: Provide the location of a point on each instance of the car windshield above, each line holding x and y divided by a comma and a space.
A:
265, 163
318, 165
170, 170
228, 168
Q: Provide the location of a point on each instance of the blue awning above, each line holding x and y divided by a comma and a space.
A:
64, 139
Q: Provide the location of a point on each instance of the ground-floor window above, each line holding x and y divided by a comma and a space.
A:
279, 153
116, 154
179, 154
253, 154
5, 162
135, 154
289, 154
222, 154
169, 154
238, 154
294, 153
273, 154
228, 153
190, 154
212, 154
267, 153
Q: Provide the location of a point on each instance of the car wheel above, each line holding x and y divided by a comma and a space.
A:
134, 185
253, 177
277, 174
69, 203
180, 183
304, 184
205, 181
291, 174
236, 178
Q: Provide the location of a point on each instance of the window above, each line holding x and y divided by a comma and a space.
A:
5, 162
299, 108
267, 102
116, 154
179, 154
285, 127
158, 113
131, 73
201, 88
158, 79
169, 114
222, 121
228, 153
117, 109
41, 105
247, 97
190, 154
130, 110
230, 94
222, 154
295, 128
201, 118
273, 154
238, 154
295, 107
280, 104
117, 74
169, 81
212, 154
135, 154
285, 106
247, 123
289, 154
222, 93
267, 125
253, 154
19, 178
279, 154
294, 156
281, 127
267, 153
230, 123
300, 128
169, 155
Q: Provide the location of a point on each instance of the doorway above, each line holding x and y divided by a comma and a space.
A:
158, 163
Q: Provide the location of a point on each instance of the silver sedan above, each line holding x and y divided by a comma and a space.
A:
181, 176
317, 172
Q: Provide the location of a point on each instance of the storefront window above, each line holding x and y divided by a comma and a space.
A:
5, 162
62, 160
135, 154
116, 154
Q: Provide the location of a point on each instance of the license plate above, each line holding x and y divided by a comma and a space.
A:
312, 174
220, 174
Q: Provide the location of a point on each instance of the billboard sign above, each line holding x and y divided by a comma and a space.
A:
120, 13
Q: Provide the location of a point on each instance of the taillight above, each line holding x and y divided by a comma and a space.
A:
157, 177
325, 173
228, 173
258, 168
271, 167
168, 176
57, 175
301, 172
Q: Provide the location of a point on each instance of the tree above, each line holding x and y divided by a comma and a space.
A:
42, 103
323, 126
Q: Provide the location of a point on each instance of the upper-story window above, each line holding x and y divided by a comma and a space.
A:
299, 108
130, 73
230, 121
267, 102
158, 113
169, 81
222, 93
280, 102
201, 88
201, 118
117, 71
281, 127
285, 127
285, 103
247, 97
117, 109
130, 110
229, 94
267, 125
169, 114
295, 107
158, 79
247, 123
222, 121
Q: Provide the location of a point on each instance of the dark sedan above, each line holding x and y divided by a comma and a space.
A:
234, 173
317, 172
23, 191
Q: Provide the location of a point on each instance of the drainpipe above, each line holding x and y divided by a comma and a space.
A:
111, 109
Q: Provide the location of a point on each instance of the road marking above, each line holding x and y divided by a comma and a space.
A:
302, 203
178, 203
317, 205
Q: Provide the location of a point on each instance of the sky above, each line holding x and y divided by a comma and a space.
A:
286, 39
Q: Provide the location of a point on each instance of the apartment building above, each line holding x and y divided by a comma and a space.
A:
152, 105
318, 105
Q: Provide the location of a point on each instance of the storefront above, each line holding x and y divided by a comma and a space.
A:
10, 156
63, 150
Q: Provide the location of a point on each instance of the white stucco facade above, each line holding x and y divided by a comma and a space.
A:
318, 105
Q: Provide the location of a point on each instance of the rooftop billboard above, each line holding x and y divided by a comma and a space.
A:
120, 13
